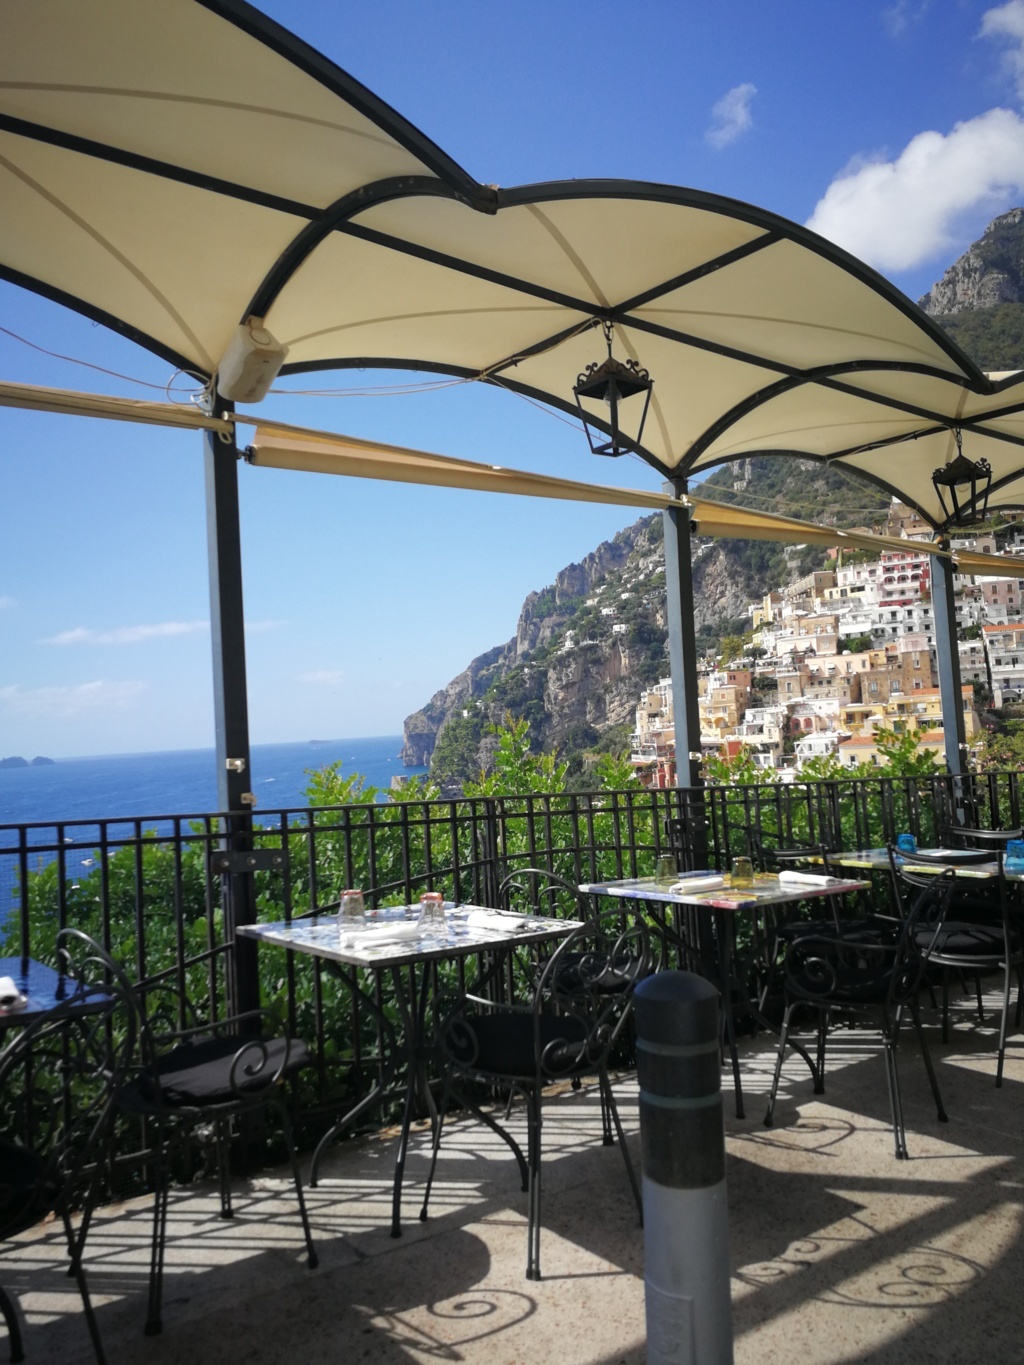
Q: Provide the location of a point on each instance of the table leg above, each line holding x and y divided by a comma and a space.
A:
414, 1016
388, 1049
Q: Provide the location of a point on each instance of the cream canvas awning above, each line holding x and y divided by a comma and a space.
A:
172, 169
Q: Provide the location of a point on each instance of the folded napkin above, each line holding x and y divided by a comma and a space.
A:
493, 919
380, 933
10, 997
689, 885
803, 879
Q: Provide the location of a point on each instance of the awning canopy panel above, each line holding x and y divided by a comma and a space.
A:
174, 168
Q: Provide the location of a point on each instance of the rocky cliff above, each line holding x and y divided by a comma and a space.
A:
587, 645
543, 622
989, 273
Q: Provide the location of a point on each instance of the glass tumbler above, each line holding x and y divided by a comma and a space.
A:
1014, 860
666, 871
742, 872
906, 843
432, 917
351, 912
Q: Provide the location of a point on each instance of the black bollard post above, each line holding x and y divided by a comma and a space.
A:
686, 1244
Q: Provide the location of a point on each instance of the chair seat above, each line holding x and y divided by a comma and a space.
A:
201, 1071
960, 938
853, 931
502, 1044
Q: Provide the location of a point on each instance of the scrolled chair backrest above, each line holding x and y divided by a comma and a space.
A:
922, 925
814, 853
538, 891
589, 981
827, 967
963, 836
61, 1072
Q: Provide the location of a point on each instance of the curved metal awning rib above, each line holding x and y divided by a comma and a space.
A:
171, 169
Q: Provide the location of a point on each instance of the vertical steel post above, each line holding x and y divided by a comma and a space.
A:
682, 1143
682, 652
231, 710
948, 658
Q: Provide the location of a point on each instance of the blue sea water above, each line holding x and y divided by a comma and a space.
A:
184, 781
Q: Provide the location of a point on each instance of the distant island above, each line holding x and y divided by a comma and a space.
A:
16, 761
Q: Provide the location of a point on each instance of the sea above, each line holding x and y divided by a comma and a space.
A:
184, 781
175, 782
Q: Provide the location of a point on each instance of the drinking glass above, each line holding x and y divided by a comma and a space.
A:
906, 843
742, 872
351, 912
432, 917
1014, 860
666, 870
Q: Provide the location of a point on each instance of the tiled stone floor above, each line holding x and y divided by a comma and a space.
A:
839, 1252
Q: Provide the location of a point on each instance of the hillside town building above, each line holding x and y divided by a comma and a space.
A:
805, 693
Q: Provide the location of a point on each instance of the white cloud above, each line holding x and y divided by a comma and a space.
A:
731, 116
126, 635
1007, 21
322, 677
903, 213
71, 701
899, 17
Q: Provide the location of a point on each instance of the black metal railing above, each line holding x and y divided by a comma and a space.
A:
152, 890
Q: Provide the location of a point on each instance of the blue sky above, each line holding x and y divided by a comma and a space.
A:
896, 129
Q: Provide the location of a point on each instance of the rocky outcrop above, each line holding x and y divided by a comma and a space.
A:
586, 646
572, 689
421, 728
989, 273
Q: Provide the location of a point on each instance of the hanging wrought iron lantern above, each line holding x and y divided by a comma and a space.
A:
610, 383
967, 483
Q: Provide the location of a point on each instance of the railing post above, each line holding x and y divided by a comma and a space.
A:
489, 857
686, 1246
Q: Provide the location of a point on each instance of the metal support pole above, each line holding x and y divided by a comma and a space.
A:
682, 1143
682, 652
948, 658
231, 710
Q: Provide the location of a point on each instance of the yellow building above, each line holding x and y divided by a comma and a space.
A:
922, 710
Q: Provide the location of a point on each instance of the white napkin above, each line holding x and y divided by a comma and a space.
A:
10, 997
380, 933
492, 919
803, 879
689, 885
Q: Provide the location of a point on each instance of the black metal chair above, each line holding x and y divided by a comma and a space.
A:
580, 1007
59, 1078
202, 1082
789, 927
835, 975
979, 936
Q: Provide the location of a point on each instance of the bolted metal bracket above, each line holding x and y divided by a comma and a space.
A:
248, 860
